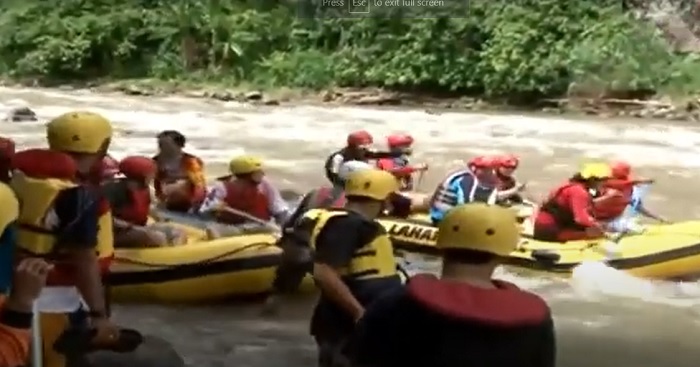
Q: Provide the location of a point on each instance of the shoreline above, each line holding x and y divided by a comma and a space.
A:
663, 108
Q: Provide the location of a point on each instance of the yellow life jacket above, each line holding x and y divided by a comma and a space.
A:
372, 261
35, 232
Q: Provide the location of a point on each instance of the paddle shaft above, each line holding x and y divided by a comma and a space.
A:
37, 346
252, 218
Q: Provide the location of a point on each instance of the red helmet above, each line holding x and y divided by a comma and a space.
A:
105, 169
483, 162
358, 138
621, 170
138, 167
399, 140
508, 161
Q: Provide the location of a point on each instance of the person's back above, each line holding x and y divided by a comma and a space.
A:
465, 317
453, 326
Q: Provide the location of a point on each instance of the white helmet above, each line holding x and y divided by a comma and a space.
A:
349, 167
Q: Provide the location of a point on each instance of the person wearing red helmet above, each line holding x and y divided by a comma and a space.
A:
130, 199
473, 184
356, 149
619, 192
509, 188
400, 166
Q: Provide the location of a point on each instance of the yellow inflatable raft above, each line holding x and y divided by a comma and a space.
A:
200, 271
661, 252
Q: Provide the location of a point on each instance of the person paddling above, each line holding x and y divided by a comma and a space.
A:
357, 148
400, 166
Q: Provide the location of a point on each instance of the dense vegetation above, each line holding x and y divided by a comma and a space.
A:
519, 49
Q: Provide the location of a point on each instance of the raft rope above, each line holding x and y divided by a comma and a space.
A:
194, 263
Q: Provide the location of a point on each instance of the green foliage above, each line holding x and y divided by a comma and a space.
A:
521, 50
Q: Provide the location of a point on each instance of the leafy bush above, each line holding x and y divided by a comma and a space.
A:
521, 50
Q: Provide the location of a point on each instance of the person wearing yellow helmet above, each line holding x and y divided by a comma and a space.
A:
66, 221
247, 191
180, 181
566, 215
465, 317
353, 261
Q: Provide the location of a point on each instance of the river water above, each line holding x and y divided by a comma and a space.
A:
603, 317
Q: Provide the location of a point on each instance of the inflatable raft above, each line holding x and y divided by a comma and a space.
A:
199, 271
662, 252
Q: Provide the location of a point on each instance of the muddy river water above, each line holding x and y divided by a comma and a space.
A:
604, 318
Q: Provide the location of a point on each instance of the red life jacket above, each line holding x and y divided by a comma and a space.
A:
558, 208
138, 207
614, 206
395, 166
327, 197
248, 198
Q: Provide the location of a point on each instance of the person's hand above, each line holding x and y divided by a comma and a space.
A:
28, 281
106, 331
596, 230
358, 316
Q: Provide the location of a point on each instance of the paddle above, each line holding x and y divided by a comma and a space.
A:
37, 346
253, 218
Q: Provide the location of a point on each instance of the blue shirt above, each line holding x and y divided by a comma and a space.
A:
8, 239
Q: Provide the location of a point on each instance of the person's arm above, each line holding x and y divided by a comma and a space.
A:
78, 211
580, 206
277, 206
15, 325
335, 247
401, 206
214, 199
334, 167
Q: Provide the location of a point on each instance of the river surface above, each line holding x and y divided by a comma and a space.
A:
603, 317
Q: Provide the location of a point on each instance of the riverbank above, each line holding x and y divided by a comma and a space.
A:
668, 108
529, 55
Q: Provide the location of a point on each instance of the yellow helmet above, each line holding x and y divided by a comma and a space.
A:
373, 184
79, 132
595, 170
245, 164
481, 227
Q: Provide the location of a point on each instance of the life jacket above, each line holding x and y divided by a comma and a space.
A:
37, 185
374, 260
328, 166
327, 197
167, 174
448, 194
251, 199
614, 206
391, 164
138, 204
563, 216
